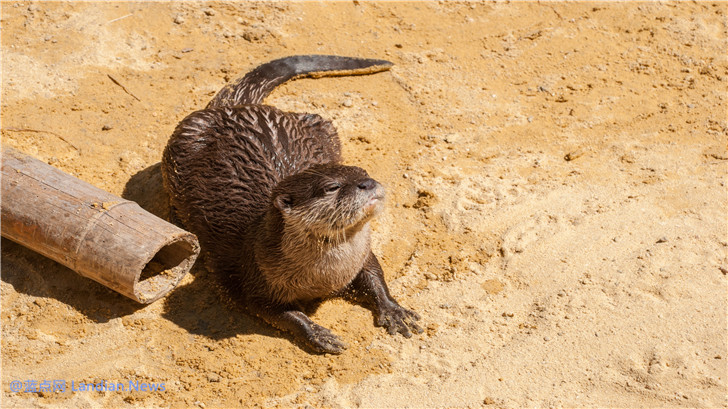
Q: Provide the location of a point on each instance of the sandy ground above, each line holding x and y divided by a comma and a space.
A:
556, 212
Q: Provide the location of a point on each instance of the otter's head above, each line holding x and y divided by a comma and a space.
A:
328, 200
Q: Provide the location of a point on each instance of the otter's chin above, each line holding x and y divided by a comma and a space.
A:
368, 211
373, 206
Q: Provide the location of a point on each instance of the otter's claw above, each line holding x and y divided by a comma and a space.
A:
322, 340
399, 319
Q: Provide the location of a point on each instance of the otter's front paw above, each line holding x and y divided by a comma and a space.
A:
323, 341
396, 319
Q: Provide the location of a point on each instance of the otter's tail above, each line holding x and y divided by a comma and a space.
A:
260, 82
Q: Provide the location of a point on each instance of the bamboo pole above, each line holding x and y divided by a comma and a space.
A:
99, 235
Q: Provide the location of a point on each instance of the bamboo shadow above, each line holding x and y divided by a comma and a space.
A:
33, 274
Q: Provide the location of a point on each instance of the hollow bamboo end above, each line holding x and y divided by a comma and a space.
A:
166, 268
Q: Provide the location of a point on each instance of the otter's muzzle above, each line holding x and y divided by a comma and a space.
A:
373, 192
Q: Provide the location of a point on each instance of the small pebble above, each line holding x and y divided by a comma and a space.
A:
347, 103
209, 12
573, 155
179, 19
662, 239
106, 127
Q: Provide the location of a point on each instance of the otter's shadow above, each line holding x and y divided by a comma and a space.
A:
145, 188
204, 306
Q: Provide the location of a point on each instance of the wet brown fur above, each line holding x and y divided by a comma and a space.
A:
272, 205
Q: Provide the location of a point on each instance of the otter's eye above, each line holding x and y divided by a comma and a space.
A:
332, 187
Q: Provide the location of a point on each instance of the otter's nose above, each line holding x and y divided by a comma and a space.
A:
367, 184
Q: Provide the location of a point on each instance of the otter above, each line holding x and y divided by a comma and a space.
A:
274, 208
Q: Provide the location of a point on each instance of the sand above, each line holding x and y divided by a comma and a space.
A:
556, 212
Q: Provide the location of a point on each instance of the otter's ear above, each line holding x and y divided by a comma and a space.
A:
283, 203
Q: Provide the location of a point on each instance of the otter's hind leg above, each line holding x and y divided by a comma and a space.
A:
296, 322
369, 287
